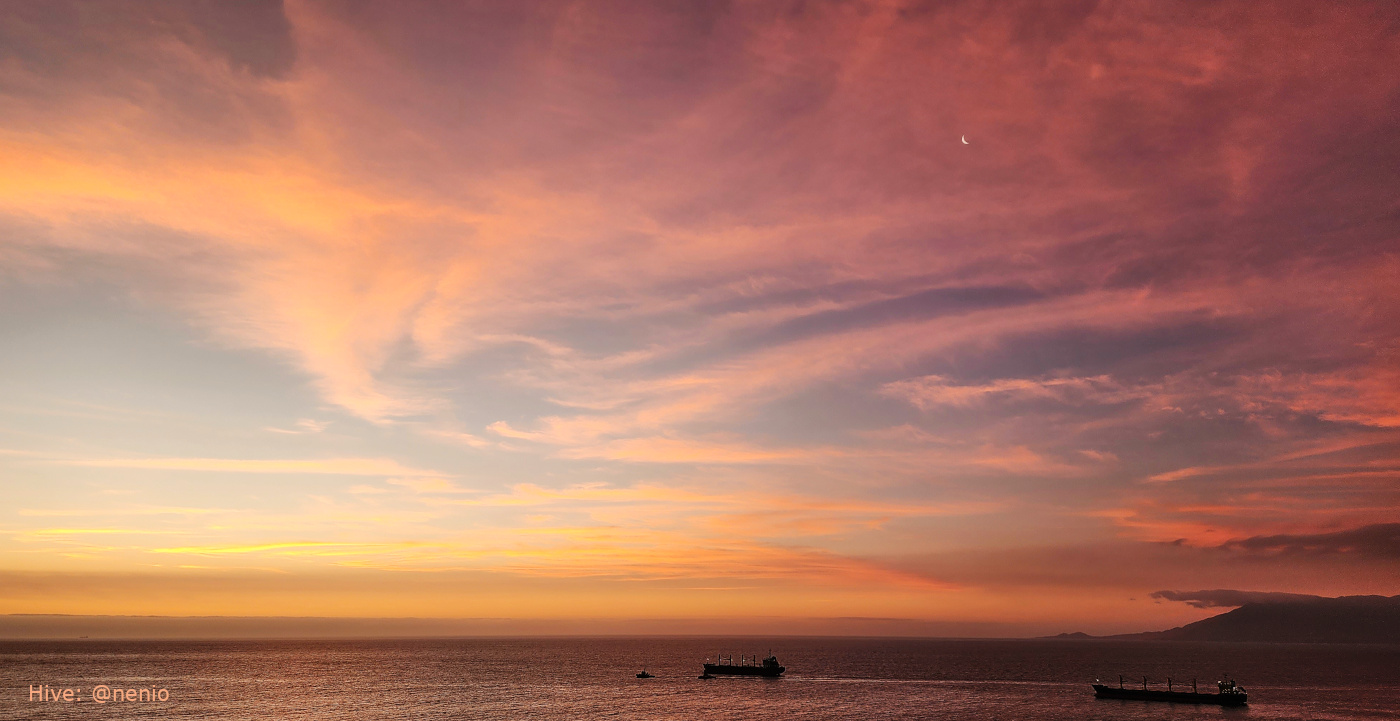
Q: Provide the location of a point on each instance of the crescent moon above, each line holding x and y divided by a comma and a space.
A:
965, 140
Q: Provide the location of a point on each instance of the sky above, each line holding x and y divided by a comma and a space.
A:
963, 318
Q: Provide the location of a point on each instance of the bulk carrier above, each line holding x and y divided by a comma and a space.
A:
1229, 695
769, 667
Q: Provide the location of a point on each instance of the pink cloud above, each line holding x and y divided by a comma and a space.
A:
1160, 273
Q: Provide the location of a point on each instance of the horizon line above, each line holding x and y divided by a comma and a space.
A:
54, 626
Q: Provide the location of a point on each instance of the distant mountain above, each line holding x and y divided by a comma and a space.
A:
1076, 636
1348, 619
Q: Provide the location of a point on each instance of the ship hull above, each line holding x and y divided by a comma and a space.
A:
713, 669
1137, 694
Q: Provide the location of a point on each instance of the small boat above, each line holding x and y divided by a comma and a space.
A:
706, 676
644, 674
770, 668
1229, 694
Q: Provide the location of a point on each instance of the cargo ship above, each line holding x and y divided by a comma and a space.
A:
1229, 694
769, 667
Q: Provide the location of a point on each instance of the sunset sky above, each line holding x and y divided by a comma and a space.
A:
611, 311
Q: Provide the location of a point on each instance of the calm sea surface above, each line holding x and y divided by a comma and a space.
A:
594, 678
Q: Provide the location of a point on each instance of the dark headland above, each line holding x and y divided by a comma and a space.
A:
1309, 619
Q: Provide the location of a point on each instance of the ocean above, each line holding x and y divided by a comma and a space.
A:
594, 678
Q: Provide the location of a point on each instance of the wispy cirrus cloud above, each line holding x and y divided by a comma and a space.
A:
334, 466
304, 425
934, 390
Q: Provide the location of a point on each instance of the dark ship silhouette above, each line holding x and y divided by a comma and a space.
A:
769, 668
1229, 695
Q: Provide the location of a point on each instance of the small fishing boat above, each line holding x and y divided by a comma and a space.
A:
644, 674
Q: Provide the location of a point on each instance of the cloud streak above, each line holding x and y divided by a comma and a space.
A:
1228, 599
1380, 540
333, 466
